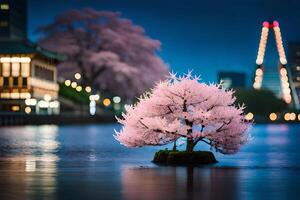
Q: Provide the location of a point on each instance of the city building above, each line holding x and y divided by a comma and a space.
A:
13, 20
294, 64
231, 79
28, 78
28, 73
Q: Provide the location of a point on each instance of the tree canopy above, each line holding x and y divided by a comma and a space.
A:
110, 52
182, 107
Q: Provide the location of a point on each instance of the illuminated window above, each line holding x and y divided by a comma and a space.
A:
15, 108
298, 68
4, 6
15, 69
6, 69
25, 67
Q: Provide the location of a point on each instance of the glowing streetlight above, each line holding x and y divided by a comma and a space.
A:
117, 99
249, 116
106, 102
77, 76
88, 89
273, 116
78, 88
67, 82
74, 85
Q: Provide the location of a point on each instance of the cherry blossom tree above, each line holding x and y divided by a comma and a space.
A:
110, 52
182, 107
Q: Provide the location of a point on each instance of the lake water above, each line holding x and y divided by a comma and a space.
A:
85, 162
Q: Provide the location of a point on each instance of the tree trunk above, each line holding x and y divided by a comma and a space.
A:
174, 146
189, 145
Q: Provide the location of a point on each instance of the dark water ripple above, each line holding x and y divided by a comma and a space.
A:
85, 162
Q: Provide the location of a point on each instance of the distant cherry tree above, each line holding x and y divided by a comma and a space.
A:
110, 52
182, 107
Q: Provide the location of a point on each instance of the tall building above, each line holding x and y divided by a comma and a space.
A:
278, 79
231, 79
294, 64
13, 19
28, 73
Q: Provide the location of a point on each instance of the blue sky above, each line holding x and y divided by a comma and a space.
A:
203, 36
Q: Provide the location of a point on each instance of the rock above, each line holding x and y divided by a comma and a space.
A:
168, 157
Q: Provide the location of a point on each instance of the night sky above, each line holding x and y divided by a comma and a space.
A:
203, 36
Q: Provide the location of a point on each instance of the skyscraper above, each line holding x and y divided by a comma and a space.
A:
13, 19
294, 64
231, 79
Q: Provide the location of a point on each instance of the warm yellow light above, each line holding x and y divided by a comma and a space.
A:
73, 84
4, 6
287, 116
249, 116
88, 89
5, 59
25, 59
47, 97
283, 72
25, 69
30, 102
6, 69
78, 88
299, 117
67, 82
273, 116
256, 85
292, 116
259, 72
15, 108
15, 95
106, 102
27, 110
77, 76
15, 69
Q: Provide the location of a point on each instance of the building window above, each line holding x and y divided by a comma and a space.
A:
25, 67
15, 81
5, 82
298, 78
24, 82
43, 73
6, 69
298, 68
4, 6
15, 69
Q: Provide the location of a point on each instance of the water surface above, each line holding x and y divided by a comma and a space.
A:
85, 162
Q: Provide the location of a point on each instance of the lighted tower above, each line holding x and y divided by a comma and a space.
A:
285, 88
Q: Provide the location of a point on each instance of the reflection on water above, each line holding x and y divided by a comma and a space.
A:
28, 162
180, 183
85, 162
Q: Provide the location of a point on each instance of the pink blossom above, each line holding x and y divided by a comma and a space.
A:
110, 52
184, 107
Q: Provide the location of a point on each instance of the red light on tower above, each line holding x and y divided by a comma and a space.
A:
266, 24
275, 24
